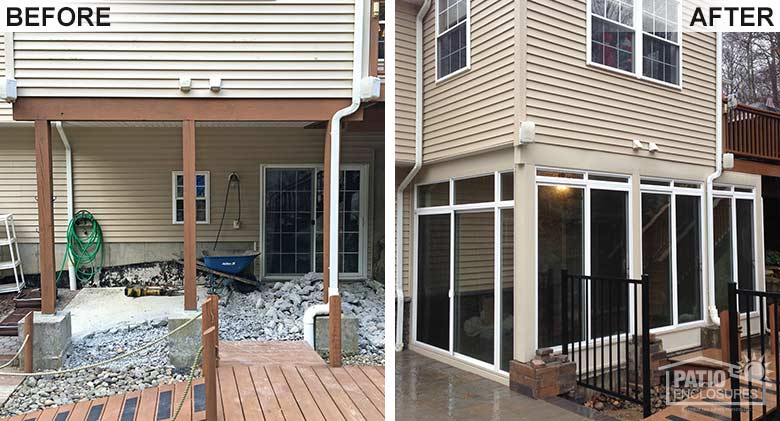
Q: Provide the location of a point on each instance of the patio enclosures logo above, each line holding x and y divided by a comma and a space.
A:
703, 381
727, 15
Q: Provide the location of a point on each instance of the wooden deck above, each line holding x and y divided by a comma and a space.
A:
272, 386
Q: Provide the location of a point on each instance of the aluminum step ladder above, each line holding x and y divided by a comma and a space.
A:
8, 239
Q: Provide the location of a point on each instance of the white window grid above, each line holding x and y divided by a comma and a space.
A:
636, 27
175, 196
497, 205
442, 31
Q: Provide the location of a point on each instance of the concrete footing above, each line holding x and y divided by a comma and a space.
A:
51, 339
349, 334
183, 345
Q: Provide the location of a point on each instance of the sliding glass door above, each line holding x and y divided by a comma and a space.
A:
464, 269
292, 221
734, 242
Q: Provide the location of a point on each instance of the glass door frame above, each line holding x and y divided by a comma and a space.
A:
734, 193
584, 182
673, 191
364, 209
496, 206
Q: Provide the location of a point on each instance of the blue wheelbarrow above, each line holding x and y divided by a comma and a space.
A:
225, 266
229, 262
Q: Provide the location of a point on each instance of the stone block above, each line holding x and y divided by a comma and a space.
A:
349, 334
183, 345
543, 379
51, 339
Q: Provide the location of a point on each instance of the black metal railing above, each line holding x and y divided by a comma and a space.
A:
761, 353
600, 320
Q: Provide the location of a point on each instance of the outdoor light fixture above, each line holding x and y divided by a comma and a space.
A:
8, 89
728, 161
653, 147
185, 84
527, 133
215, 84
637, 144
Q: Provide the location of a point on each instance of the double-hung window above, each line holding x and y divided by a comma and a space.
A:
637, 36
202, 197
452, 36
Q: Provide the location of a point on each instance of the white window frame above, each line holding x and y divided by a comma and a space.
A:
672, 190
587, 185
639, 33
468, 44
362, 272
207, 198
732, 194
495, 206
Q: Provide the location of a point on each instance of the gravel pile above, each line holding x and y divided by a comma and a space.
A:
275, 313
101, 346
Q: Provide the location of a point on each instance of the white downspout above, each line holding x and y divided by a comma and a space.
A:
335, 146
69, 183
418, 161
308, 321
713, 310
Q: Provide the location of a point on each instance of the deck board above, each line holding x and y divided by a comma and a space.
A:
274, 386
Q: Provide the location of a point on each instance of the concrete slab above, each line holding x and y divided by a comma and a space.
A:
96, 309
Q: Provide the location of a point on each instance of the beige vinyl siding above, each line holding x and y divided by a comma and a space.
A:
283, 48
407, 241
5, 108
18, 189
123, 176
577, 106
473, 111
405, 86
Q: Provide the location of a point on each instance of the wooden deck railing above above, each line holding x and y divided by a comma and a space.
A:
752, 133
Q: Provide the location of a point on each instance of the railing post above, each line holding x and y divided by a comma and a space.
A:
28, 348
565, 311
646, 403
725, 337
210, 372
734, 349
773, 327
215, 323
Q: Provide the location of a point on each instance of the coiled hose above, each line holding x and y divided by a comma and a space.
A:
83, 252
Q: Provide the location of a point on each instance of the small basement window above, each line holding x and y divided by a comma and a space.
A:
202, 197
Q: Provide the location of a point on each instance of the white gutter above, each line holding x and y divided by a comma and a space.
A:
308, 321
69, 182
418, 161
713, 310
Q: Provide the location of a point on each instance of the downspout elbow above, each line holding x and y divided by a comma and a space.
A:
308, 321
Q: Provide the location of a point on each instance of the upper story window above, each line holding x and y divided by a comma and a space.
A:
452, 37
620, 29
381, 38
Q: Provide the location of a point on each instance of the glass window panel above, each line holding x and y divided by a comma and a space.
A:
200, 180
560, 237
200, 210
612, 45
475, 285
608, 178
179, 210
180, 180
745, 252
288, 220
609, 254
451, 49
475, 190
433, 195
722, 250
656, 182
507, 287
560, 174
656, 255
349, 221
507, 186
433, 280
200, 191
689, 259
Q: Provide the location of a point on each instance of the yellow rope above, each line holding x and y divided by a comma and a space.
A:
100, 363
189, 384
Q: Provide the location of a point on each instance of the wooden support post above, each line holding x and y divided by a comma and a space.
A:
326, 216
335, 330
43, 172
724, 337
28, 348
206, 319
210, 372
190, 228
773, 328
373, 46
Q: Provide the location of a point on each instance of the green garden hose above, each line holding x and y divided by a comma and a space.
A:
84, 251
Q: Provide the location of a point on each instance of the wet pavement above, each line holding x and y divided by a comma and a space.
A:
426, 389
